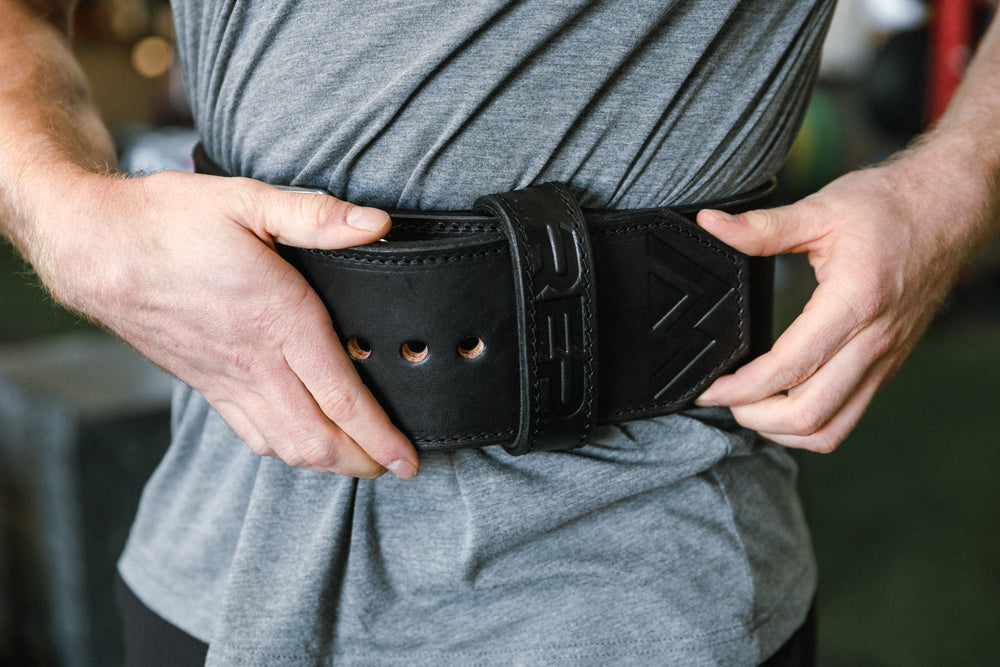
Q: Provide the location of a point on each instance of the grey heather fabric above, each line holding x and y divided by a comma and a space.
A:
670, 541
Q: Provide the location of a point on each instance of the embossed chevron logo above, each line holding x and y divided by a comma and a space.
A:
690, 310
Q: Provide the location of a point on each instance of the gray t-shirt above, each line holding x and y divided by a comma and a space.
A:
676, 540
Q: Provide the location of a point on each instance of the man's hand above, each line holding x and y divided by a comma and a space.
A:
183, 268
886, 245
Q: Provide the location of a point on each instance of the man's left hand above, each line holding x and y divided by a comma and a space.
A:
886, 245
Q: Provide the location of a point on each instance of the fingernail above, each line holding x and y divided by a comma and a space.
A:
402, 469
367, 219
703, 402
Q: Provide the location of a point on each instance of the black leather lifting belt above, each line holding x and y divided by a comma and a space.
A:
527, 321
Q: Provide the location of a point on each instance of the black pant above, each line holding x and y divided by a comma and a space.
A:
800, 649
151, 641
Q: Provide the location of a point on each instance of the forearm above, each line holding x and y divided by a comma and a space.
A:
975, 108
958, 160
50, 133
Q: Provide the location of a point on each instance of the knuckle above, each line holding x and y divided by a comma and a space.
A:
808, 420
824, 443
254, 368
340, 403
319, 452
868, 303
869, 295
315, 211
880, 345
767, 221
792, 376
260, 449
258, 444
246, 195
327, 454
239, 362
813, 208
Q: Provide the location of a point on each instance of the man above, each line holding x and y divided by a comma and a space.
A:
675, 540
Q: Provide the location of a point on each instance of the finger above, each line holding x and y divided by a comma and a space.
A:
307, 220
239, 421
835, 431
286, 422
826, 324
765, 232
305, 433
316, 356
808, 408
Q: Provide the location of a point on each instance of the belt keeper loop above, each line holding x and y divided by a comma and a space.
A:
553, 267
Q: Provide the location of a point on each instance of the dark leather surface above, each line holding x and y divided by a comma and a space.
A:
673, 312
554, 300
673, 308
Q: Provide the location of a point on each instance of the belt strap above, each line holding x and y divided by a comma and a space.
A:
513, 307
555, 301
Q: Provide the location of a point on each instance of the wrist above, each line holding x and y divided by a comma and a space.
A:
954, 178
64, 232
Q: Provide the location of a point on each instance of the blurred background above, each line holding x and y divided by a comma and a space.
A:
905, 515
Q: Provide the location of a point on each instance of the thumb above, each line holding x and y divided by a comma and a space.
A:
309, 219
761, 232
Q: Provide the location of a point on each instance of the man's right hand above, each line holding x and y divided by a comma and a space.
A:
183, 268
